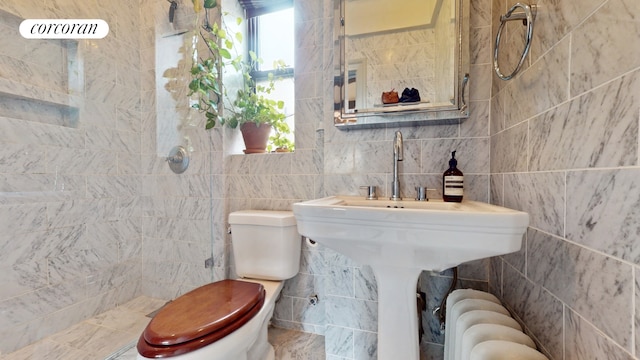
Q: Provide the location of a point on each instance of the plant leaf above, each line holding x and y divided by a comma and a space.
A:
210, 4
225, 53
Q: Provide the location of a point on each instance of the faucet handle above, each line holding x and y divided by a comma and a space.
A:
371, 192
422, 193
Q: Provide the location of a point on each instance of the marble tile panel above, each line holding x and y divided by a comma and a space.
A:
100, 339
187, 208
518, 259
307, 162
121, 319
112, 186
541, 195
374, 157
253, 187
304, 312
480, 82
74, 264
476, 187
128, 120
292, 186
199, 185
636, 318
113, 277
583, 341
477, 125
350, 184
339, 341
307, 127
304, 285
334, 258
366, 287
81, 162
560, 18
96, 113
129, 164
598, 287
540, 311
495, 276
603, 39
78, 212
340, 281
566, 137
478, 38
166, 186
496, 120
312, 261
284, 308
22, 159
480, 13
270, 164
23, 132
542, 86
51, 243
496, 189
36, 304
18, 279
16, 219
436, 154
49, 350
476, 270
310, 60
509, 150
365, 345
351, 313
47, 187
190, 252
592, 198
182, 229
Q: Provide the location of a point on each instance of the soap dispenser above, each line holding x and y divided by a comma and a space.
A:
452, 181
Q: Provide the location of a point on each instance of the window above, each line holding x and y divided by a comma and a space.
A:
271, 37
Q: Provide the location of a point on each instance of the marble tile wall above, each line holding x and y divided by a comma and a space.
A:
71, 240
564, 148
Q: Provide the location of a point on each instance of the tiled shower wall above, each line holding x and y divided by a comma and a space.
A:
181, 214
70, 128
564, 148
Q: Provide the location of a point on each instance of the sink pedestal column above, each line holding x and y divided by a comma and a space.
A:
397, 312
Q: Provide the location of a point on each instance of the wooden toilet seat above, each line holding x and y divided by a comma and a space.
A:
201, 317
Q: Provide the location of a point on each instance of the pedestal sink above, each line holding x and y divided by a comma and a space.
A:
400, 239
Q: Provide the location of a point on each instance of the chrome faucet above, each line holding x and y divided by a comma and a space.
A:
397, 156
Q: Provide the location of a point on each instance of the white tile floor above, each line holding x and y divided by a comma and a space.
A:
112, 335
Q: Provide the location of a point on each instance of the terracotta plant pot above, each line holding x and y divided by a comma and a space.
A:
255, 137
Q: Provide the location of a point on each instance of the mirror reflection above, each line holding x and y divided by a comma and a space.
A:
412, 48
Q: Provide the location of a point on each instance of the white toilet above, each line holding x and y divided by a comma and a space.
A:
228, 319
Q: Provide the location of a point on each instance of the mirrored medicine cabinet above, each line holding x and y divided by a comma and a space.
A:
383, 45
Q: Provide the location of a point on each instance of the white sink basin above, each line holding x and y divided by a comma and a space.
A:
399, 239
428, 235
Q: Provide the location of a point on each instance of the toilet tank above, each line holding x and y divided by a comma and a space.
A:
266, 244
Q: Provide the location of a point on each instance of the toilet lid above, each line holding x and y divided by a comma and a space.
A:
205, 310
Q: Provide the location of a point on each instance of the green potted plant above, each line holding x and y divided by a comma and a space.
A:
250, 109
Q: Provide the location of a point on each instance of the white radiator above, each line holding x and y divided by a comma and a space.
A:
478, 327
